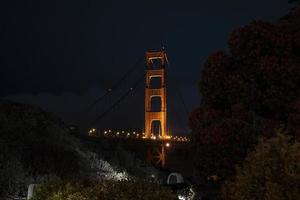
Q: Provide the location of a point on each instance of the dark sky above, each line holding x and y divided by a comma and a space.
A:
62, 54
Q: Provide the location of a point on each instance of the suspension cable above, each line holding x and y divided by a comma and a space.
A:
178, 90
130, 90
116, 85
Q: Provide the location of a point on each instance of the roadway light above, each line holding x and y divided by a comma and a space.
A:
168, 144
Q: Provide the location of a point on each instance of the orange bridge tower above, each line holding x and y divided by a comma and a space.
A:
155, 69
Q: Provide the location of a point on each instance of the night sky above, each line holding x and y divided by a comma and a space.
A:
62, 55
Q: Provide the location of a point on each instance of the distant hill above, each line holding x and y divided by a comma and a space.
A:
36, 146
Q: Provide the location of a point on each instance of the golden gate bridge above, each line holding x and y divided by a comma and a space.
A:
156, 133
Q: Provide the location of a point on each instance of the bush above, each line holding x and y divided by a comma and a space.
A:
104, 190
271, 171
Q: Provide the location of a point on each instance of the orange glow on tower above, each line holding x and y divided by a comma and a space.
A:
155, 68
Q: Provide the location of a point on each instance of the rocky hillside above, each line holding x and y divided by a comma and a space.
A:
36, 146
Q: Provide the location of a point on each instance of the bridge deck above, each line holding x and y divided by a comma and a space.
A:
135, 136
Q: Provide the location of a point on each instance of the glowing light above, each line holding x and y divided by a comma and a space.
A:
153, 137
167, 144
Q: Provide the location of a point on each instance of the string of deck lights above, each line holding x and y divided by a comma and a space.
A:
134, 134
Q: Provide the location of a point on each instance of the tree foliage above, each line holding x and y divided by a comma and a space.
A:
271, 171
247, 92
104, 190
261, 71
219, 144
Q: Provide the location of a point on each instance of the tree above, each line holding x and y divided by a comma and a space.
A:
271, 171
247, 92
260, 72
221, 141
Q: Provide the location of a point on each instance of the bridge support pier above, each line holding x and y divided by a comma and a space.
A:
157, 155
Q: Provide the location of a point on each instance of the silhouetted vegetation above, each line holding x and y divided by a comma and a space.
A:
271, 171
32, 143
247, 93
37, 147
104, 190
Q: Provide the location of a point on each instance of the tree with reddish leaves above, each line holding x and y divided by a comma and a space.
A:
220, 137
247, 92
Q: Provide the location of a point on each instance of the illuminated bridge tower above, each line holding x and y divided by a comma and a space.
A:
155, 68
